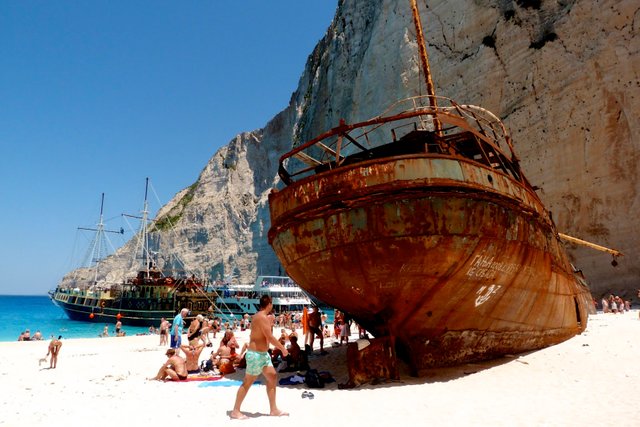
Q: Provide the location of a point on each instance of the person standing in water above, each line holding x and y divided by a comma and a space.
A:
259, 361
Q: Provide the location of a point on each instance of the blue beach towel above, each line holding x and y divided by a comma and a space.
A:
225, 383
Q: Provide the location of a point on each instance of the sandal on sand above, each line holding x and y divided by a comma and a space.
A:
307, 394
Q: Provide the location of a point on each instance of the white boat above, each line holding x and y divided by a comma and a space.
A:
235, 300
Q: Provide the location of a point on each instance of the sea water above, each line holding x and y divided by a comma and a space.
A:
19, 313
38, 313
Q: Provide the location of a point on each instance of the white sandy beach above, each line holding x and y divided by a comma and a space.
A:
590, 379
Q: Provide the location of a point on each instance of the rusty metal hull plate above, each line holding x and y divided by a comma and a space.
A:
457, 262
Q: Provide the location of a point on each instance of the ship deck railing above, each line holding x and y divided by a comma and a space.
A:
407, 127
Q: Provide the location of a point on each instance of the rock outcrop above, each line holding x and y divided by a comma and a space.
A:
563, 76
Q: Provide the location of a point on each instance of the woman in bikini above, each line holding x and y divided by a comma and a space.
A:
226, 354
194, 330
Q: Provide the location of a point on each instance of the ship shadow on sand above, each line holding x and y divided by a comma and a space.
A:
335, 363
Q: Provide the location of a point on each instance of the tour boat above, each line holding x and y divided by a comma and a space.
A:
142, 300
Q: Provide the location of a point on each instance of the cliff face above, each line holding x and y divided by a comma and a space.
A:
563, 75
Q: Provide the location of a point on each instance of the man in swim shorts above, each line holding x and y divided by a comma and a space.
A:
258, 359
314, 321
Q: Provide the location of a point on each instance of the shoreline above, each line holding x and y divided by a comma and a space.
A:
591, 378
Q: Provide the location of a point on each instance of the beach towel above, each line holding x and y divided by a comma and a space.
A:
225, 383
305, 321
203, 378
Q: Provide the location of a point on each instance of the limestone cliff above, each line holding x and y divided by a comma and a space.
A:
563, 75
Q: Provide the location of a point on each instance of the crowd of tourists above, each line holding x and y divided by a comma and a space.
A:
614, 304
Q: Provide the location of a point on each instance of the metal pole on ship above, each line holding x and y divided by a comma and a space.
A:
424, 59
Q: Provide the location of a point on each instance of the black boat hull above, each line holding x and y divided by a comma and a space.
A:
130, 311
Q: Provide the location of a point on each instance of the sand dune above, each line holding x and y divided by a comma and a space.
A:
590, 379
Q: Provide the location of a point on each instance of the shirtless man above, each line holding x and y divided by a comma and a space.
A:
192, 354
315, 328
54, 349
216, 326
164, 332
175, 368
259, 361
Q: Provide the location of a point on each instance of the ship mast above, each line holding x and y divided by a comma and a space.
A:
142, 245
145, 215
424, 59
98, 250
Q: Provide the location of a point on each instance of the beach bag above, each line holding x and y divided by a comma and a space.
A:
206, 365
243, 363
303, 364
313, 380
227, 368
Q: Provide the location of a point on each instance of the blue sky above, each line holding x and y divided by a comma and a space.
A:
95, 96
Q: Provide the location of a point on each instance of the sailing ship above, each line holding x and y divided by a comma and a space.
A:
141, 300
421, 225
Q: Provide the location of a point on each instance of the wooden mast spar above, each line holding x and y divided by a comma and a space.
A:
424, 60
614, 252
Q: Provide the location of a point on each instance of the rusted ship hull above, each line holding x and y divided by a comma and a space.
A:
456, 261
420, 224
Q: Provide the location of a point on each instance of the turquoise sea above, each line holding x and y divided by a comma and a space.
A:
18, 313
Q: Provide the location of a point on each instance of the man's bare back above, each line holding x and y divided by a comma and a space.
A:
178, 364
260, 330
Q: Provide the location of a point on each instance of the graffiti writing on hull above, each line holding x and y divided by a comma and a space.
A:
486, 292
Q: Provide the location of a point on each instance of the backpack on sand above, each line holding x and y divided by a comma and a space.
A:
313, 380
